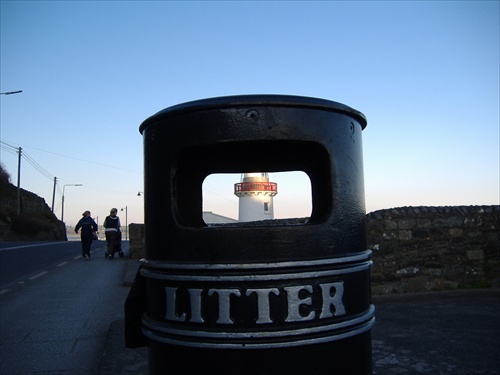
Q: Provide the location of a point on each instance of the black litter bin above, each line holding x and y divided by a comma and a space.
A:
270, 297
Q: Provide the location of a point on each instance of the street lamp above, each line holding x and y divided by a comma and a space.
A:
19, 162
62, 211
126, 222
11, 92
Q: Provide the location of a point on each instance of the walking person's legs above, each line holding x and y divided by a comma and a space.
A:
82, 238
112, 238
86, 242
108, 242
119, 249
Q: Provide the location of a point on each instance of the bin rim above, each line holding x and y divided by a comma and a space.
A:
254, 100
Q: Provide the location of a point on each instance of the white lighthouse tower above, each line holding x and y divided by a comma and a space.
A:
256, 197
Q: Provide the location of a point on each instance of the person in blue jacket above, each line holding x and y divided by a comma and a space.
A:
88, 227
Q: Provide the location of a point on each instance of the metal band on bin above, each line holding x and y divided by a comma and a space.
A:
298, 283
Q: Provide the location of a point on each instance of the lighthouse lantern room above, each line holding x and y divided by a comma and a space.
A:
255, 194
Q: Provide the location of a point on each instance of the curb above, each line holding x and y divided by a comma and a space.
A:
131, 272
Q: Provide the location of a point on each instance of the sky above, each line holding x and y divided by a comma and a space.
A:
424, 73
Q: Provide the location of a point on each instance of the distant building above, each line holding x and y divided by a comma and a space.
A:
210, 218
255, 194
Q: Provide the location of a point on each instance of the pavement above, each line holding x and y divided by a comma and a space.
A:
116, 359
439, 333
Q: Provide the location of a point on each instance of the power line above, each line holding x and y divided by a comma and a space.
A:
83, 160
37, 166
12, 149
8, 148
74, 158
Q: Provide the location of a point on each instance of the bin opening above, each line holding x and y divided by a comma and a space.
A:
229, 198
195, 164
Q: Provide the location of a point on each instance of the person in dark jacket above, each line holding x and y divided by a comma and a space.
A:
113, 233
88, 227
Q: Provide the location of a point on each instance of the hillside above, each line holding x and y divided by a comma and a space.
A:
36, 221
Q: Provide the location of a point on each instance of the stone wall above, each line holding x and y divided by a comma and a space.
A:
419, 249
434, 248
136, 238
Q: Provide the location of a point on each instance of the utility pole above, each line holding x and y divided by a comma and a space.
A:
54, 193
19, 182
126, 222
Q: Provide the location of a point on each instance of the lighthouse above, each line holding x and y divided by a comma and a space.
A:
255, 194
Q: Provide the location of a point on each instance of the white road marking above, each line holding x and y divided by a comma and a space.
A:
38, 275
62, 264
33, 245
3, 291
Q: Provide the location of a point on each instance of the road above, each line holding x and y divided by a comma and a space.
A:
20, 261
56, 308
